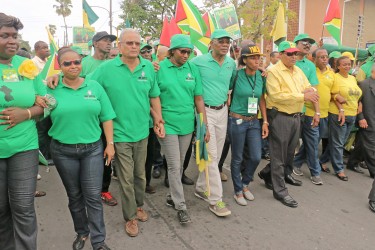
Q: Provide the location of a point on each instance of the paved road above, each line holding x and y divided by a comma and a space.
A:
332, 216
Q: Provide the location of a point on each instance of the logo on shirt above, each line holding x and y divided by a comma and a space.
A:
353, 92
142, 77
90, 96
189, 77
7, 93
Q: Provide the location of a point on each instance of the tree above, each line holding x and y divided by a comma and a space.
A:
52, 29
64, 9
146, 15
257, 16
24, 44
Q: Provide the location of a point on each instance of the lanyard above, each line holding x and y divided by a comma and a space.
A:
255, 81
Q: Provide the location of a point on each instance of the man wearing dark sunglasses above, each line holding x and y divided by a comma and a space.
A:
304, 44
287, 90
146, 51
217, 71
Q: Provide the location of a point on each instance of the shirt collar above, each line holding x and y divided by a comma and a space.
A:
62, 85
118, 62
169, 64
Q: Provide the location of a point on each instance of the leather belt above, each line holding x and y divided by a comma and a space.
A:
216, 107
245, 118
294, 115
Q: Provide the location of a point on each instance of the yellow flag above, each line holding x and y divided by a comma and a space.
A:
278, 32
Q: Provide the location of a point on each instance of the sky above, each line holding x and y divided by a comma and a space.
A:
37, 14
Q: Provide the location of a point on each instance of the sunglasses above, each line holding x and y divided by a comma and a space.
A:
146, 51
305, 43
290, 53
131, 43
185, 51
69, 63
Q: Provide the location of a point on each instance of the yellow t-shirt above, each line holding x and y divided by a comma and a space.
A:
347, 88
324, 87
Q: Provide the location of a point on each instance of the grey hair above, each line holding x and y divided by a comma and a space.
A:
128, 30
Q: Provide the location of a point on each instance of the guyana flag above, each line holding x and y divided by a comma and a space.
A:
278, 32
190, 21
89, 16
52, 65
332, 20
210, 23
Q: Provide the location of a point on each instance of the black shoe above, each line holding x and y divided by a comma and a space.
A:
287, 201
183, 216
372, 205
267, 180
166, 183
186, 180
362, 164
156, 173
292, 181
355, 169
79, 242
372, 175
170, 202
267, 157
103, 247
326, 170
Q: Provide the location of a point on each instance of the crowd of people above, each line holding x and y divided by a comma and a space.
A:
127, 112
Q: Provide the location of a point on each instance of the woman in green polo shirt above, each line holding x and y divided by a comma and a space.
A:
77, 149
180, 90
19, 85
244, 126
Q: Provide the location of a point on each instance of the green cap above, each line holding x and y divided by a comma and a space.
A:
220, 33
89, 43
181, 41
371, 49
143, 45
306, 37
77, 49
334, 54
287, 46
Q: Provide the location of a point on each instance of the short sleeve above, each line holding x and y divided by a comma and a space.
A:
106, 113
155, 90
40, 88
198, 81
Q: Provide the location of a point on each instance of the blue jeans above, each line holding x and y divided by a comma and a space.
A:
18, 225
309, 148
80, 168
337, 136
248, 132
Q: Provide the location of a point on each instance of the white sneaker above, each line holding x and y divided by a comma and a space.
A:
240, 200
247, 194
220, 209
39, 177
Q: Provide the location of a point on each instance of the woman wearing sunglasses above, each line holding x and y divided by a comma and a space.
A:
180, 90
243, 126
77, 149
342, 115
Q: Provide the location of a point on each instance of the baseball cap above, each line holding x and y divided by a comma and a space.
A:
143, 45
303, 36
348, 54
287, 46
181, 41
220, 33
250, 50
103, 34
334, 54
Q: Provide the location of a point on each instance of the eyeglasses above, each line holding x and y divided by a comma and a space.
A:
290, 53
306, 43
146, 51
69, 63
223, 41
132, 43
184, 51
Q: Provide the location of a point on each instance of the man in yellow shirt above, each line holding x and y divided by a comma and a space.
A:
287, 90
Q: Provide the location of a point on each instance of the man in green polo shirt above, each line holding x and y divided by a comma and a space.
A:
217, 71
146, 52
365, 70
129, 81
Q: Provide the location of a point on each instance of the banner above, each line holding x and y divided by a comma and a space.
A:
81, 36
226, 18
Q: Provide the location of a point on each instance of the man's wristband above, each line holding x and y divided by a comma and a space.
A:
342, 110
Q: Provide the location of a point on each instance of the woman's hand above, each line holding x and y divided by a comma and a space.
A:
341, 118
52, 81
265, 130
315, 121
12, 116
41, 101
159, 129
109, 154
363, 123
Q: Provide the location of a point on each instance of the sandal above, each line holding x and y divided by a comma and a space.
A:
324, 168
342, 177
39, 193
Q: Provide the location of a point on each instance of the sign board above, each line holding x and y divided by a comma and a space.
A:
226, 18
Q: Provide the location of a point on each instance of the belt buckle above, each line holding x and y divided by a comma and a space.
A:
296, 115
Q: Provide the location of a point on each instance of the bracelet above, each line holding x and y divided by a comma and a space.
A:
111, 142
28, 111
266, 123
318, 114
342, 110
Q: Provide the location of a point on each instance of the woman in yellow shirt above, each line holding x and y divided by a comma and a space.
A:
342, 113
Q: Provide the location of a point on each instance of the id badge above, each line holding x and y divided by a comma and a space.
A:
252, 106
10, 75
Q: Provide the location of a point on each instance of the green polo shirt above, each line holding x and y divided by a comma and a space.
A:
216, 79
89, 64
129, 93
79, 112
244, 89
178, 86
309, 69
20, 93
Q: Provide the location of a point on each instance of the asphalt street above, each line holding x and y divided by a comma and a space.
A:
332, 216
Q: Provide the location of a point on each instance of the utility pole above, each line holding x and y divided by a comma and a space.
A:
110, 17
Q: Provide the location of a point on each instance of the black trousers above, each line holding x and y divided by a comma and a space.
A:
44, 139
107, 171
364, 150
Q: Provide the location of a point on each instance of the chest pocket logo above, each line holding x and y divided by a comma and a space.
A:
90, 96
189, 77
142, 77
